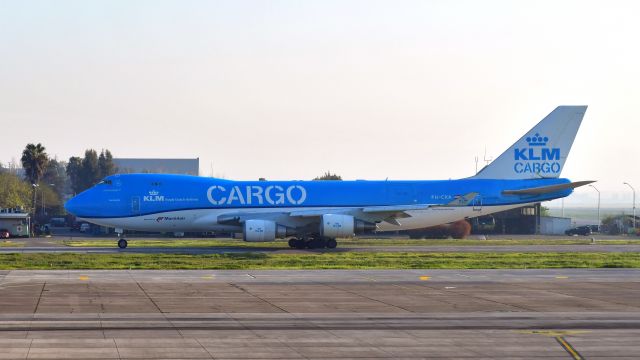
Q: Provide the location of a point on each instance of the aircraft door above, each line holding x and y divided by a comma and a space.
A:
477, 203
135, 204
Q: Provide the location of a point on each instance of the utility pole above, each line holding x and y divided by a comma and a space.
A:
594, 188
634, 204
35, 187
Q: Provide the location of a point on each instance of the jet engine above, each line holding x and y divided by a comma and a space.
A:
263, 230
335, 226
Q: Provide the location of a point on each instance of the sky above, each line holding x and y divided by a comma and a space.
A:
291, 89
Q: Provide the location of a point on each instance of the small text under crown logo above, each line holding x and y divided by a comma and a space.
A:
537, 140
154, 192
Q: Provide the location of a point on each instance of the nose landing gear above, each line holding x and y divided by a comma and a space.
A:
122, 243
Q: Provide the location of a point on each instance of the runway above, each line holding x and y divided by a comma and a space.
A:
557, 314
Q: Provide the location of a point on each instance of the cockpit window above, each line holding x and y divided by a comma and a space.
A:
104, 182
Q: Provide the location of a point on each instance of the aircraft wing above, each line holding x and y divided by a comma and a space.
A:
388, 213
373, 210
370, 213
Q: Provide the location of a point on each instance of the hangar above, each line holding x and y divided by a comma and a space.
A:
158, 166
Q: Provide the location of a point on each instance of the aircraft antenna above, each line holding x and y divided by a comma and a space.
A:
487, 160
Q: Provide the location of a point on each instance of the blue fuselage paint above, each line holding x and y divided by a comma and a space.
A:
130, 195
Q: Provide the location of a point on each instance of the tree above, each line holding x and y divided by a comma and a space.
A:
87, 171
106, 166
544, 211
50, 200
90, 173
73, 172
55, 176
34, 161
13, 191
328, 176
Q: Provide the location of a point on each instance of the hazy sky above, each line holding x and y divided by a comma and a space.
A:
289, 89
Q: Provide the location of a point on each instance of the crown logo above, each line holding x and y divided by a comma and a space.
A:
154, 192
537, 140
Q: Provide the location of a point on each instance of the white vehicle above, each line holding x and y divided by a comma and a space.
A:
84, 227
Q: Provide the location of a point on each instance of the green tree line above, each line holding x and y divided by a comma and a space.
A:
47, 180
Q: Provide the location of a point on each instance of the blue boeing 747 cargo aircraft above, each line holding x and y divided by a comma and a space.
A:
316, 213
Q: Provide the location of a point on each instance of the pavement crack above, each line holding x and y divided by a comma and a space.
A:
204, 348
115, 343
149, 297
484, 299
35, 311
368, 298
29, 350
559, 292
257, 297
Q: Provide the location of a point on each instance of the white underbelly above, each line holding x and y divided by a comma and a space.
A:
206, 219
442, 215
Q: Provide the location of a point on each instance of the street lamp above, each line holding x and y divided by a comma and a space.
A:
634, 204
594, 188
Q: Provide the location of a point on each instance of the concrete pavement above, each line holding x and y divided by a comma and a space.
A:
320, 314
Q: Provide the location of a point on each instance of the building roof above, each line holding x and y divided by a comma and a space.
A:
13, 214
162, 166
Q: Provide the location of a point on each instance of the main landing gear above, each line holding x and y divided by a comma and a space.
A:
312, 243
122, 243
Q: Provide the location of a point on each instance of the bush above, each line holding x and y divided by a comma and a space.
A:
460, 229
457, 230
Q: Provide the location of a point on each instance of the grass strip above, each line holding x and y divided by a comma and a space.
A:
9, 243
337, 260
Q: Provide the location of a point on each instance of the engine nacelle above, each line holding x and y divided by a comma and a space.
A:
335, 226
262, 230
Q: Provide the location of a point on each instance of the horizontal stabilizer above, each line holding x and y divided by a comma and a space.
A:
547, 189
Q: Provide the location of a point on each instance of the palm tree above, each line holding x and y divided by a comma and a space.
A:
34, 161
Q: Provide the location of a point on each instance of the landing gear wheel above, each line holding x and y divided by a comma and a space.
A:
331, 243
122, 244
300, 244
292, 242
316, 244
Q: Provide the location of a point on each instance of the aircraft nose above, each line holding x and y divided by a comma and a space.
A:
72, 205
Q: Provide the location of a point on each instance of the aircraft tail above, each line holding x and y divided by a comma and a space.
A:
542, 151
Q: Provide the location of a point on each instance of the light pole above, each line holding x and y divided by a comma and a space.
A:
634, 204
594, 188
35, 186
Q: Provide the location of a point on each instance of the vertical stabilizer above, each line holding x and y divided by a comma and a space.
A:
542, 151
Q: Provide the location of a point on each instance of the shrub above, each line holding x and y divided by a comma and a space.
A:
460, 229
